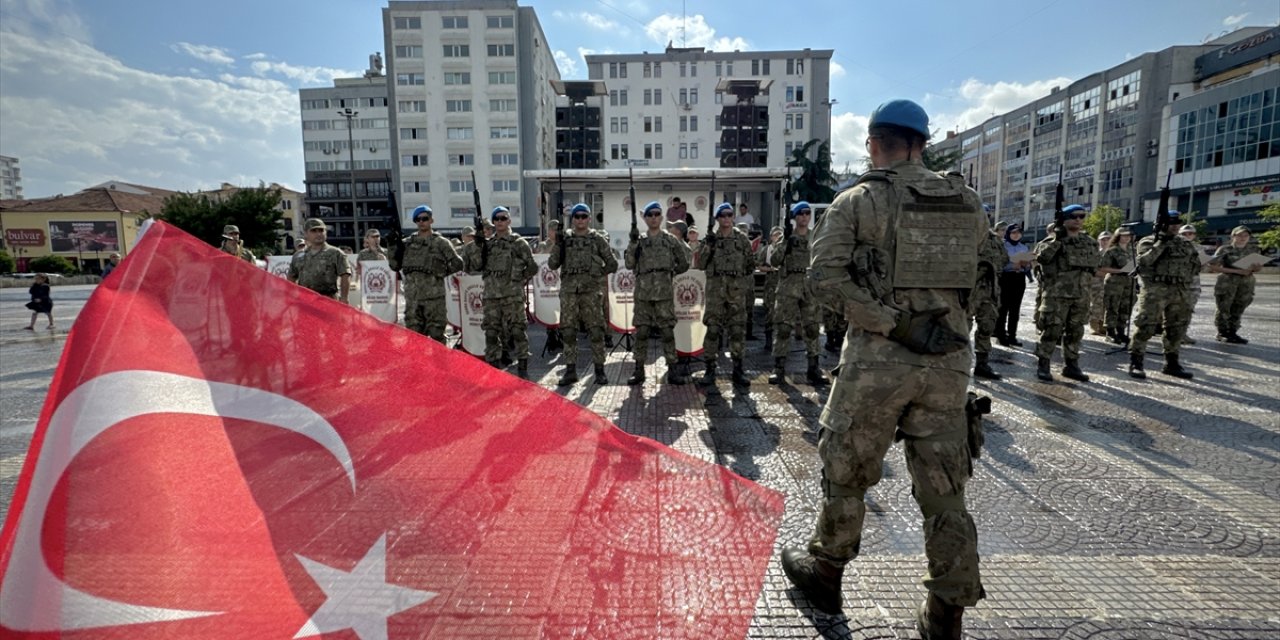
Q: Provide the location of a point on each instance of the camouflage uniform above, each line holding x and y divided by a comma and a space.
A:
369, 255
1117, 297
886, 391
729, 264
588, 261
319, 270
1233, 293
506, 262
240, 252
1167, 263
1066, 267
992, 258
1095, 300
771, 278
794, 306
425, 263
656, 259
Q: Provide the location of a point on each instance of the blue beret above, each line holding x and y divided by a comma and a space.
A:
1073, 208
652, 205
421, 209
724, 206
800, 206
497, 210
581, 207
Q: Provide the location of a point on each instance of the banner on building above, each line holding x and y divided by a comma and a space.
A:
70, 236
471, 313
620, 300
690, 291
546, 293
378, 289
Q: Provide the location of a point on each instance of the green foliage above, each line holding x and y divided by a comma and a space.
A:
7, 263
251, 209
1200, 225
1270, 239
816, 180
946, 161
51, 264
1104, 217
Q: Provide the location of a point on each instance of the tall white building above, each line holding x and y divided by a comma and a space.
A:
330, 159
469, 86
663, 110
10, 179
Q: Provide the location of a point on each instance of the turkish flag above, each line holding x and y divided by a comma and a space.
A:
223, 454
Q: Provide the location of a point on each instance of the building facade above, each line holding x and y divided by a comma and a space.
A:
470, 95
10, 179
346, 140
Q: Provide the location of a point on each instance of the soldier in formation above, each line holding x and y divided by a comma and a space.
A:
1167, 264
985, 302
506, 263
656, 257
794, 308
232, 244
771, 277
1068, 259
585, 263
1234, 289
1117, 296
548, 246
372, 247
726, 257
425, 258
1193, 292
906, 371
1096, 289
320, 266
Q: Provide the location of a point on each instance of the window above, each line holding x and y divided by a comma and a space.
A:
657, 124
693, 96
693, 123
755, 67
417, 187
408, 51
505, 159
315, 104
460, 133
693, 150
728, 68
720, 68
764, 67
403, 79
657, 151
791, 66
684, 97
413, 160
316, 125
502, 106
684, 123
413, 133
613, 97
457, 50
648, 151
506, 185
684, 151
502, 132
372, 123
461, 186
457, 106
622, 69
453, 22
622, 97
463, 77
502, 77
648, 124
411, 106
718, 124
406, 23
624, 124
648, 96
502, 50
684, 69
613, 124
647, 71
613, 69
462, 159
719, 99
500, 22
657, 96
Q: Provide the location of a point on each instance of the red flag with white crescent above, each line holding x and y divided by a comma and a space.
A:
223, 454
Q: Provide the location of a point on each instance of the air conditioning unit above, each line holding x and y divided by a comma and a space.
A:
687, 107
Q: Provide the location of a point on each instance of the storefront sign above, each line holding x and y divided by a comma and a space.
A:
24, 237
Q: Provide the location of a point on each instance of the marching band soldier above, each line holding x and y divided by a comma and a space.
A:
726, 257
656, 257
425, 258
588, 260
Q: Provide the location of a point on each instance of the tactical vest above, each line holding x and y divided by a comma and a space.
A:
796, 259
580, 255
727, 259
416, 252
654, 254
934, 231
1178, 264
1081, 254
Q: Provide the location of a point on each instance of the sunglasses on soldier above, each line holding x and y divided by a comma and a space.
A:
652, 213
580, 216
500, 218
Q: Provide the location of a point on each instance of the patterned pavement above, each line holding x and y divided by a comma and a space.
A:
1117, 509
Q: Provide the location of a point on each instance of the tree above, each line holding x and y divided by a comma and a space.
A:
251, 209
945, 161
1104, 217
1270, 239
816, 180
51, 264
7, 263
1190, 218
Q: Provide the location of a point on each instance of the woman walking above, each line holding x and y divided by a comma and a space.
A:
40, 301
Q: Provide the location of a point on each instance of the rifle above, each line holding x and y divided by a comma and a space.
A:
1059, 200
711, 207
635, 230
564, 227
542, 214
1163, 219
786, 220
395, 237
480, 239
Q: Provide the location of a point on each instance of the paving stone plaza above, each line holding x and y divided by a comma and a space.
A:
1117, 509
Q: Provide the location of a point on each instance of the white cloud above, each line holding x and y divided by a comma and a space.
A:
567, 65
1231, 21
837, 70
978, 100
256, 56
43, 17
302, 74
848, 133
215, 55
691, 32
592, 20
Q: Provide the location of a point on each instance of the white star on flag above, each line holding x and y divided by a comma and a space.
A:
360, 599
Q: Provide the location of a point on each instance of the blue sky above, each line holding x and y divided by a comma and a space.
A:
186, 95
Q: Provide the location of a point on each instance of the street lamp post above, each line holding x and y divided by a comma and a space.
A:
831, 106
350, 115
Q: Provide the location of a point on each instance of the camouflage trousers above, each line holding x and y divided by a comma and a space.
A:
1061, 320
1117, 302
985, 311
1161, 303
870, 407
1097, 308
834, 324
655, 313
725, 312
1232, 295
793, 311
426, 316
505, 319
770, 296
577, 311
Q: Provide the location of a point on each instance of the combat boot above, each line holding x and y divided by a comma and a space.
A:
1173, 368
676, 375
938, 620
779, 371
817, 579
1072, 371
1234, 338
982, 368
1135, 366
554, 343
709, 375
768, 340
1042, 369
570, 376
600, 376
814, 374
739, 374
637, 377
522, 368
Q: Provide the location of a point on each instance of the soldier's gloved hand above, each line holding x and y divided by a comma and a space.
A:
635, 234
394, 234
1059, 232
711, 240
925, 333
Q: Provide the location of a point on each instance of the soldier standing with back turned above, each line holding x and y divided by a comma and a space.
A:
1068, 260
1167, 263
656, 258
425, 258
587, 262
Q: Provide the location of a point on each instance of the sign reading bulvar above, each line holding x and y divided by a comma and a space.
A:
24, 237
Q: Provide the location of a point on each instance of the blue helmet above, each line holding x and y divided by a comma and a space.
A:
419, 210
497, 210
902, 113
724, 206
1173, 213
800, 206
581, 207
651, 206
1073, 208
